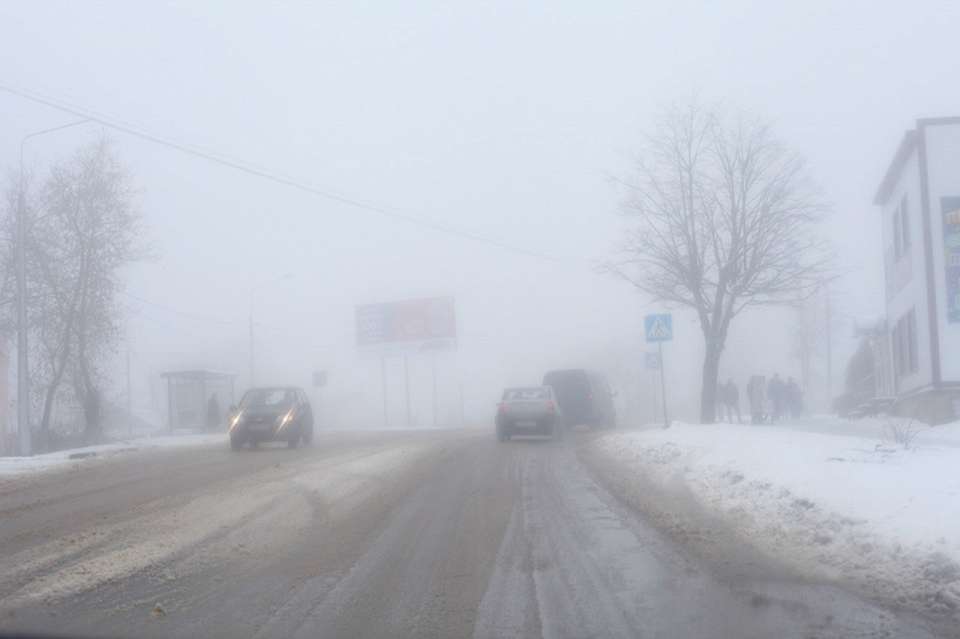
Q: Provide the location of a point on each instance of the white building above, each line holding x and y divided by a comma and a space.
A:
920, 207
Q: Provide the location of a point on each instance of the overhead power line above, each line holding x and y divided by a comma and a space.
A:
250, 169
185, 314
196, 317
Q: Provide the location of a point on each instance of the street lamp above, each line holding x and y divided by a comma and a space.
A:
23, 383
253, 291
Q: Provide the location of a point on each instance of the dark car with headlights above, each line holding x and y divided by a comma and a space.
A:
272, 414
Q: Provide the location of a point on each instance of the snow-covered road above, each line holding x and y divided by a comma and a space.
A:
429, 534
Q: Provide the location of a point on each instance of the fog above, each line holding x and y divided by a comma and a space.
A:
499, 121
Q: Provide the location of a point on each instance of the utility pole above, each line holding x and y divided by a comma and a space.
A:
253, 297
383, 385
129, 396
252, 374
434, 373
826, 288
24, 444
406, 383
23, 389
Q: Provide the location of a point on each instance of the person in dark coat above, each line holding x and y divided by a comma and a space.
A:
776, 393
756, 395
794, 398
213, 412
731, 396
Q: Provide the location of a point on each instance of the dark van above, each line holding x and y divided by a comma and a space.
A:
584, 397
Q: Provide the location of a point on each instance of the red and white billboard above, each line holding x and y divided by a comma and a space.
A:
411, 322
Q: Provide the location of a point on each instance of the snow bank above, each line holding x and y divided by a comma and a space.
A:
49, 461
859, 508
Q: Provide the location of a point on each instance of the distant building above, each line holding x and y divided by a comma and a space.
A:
919, 200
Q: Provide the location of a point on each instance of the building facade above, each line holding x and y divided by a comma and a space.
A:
919, 200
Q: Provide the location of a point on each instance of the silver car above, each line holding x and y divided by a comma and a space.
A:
528, 410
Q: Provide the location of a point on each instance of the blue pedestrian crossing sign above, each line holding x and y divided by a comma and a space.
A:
659, 327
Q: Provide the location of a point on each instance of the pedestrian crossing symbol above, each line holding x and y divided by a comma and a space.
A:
659, 327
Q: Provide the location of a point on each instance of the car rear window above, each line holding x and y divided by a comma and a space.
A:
525, 393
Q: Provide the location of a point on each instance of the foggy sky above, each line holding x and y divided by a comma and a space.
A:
499, 119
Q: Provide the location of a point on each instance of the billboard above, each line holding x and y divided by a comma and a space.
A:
430, 320
950, 207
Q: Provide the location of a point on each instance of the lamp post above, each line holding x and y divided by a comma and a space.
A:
253, 291
24, 444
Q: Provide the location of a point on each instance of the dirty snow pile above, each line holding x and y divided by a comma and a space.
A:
66, 458
875, 503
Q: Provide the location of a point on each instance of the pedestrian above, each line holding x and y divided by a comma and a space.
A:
794, 398
732, 397
213, 412
721, 401
776, 391
756, 395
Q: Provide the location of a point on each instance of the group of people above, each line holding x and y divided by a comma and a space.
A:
769, 401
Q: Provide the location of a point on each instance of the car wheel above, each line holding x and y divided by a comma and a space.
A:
235, 442
503, 435
557, 433
293, 441
307, 436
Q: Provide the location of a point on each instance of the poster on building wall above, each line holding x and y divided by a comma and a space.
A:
951, 254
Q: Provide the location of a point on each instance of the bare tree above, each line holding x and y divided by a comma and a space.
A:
725, 220
83, 229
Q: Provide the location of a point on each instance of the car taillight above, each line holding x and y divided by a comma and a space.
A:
501, 407
551, 407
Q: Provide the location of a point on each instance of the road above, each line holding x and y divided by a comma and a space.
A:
443, 534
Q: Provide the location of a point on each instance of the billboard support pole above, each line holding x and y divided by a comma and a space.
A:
434, 374
406, 385
383, 386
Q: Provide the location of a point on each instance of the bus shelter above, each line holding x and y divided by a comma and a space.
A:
198, 399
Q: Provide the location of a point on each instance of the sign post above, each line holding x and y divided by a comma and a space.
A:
659, 329
652, 364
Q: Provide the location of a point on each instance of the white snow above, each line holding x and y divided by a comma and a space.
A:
62, 458
838, 498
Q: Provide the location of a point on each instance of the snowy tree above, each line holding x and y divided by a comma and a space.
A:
83, 227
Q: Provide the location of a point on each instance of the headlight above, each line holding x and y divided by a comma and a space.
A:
235, 420
285, 419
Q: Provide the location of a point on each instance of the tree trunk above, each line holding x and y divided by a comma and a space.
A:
49, 397
60, 366
708, 389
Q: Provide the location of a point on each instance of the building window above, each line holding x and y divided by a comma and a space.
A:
905, 354
901, 229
